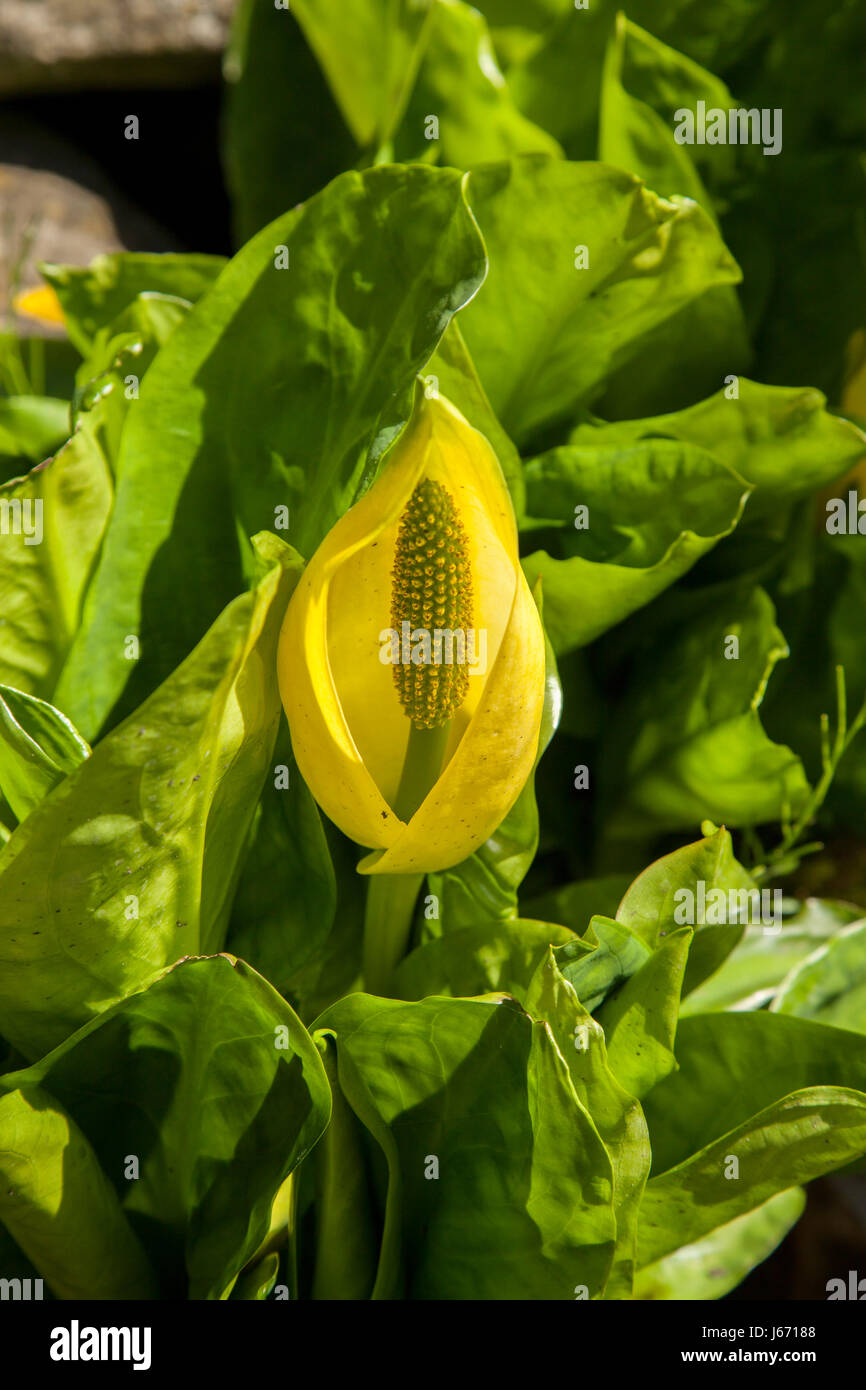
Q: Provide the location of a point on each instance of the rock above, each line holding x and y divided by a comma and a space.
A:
52, 45
57, 206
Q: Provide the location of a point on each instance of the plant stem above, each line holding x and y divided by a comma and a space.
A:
424, 753
391, 897
387, 924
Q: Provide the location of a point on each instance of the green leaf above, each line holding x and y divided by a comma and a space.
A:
58, 514
523, 1204
796, 1139
277, 152
255, 1284
616, 1114
782, 440
267, 396
93, 296
712, 1266
652, 511
31, 428
172, 793
617, 955
459, 80
38, 748
346, 1248
557, 80
752, 973
640, 1019
731, 1066
656, 903
830, 984
542, 356
369, 54
59, 1206
576, 904
286, 897
689, 738
480, 959
211, 1081
645, 84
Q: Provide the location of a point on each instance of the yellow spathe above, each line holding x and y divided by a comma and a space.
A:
349, 731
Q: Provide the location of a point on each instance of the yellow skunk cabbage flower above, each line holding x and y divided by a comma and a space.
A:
411, 659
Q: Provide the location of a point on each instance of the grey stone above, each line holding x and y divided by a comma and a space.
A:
52, 45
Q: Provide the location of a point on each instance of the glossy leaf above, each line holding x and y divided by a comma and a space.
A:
617, 1115
210, 1080
459, 80
60, 1207
31, 428
782, 440
94, 295
798, 1138
830, 984
640, 1020
654, 905
653, 510
523, 1203
696, 745
267, 397
38, 748
712, 1266
731, 1066
541, 357
46, 560
172, 792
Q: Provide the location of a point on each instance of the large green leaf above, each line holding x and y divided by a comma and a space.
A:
286, 898
38, 748
42, 585
267, 396
712, 1266
556, 81
688, 736
346, 1250
480, 959
58, 1204
132, 861
655, 904
614, 1110
522, 1206
209, 1080
645, 84
830, 984
615, 954
541, 356
652, 511
640, 1019
459, 82
280, 151
369, 53
782, 440
753, 972
733, 1065
92, 296
798, 1138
